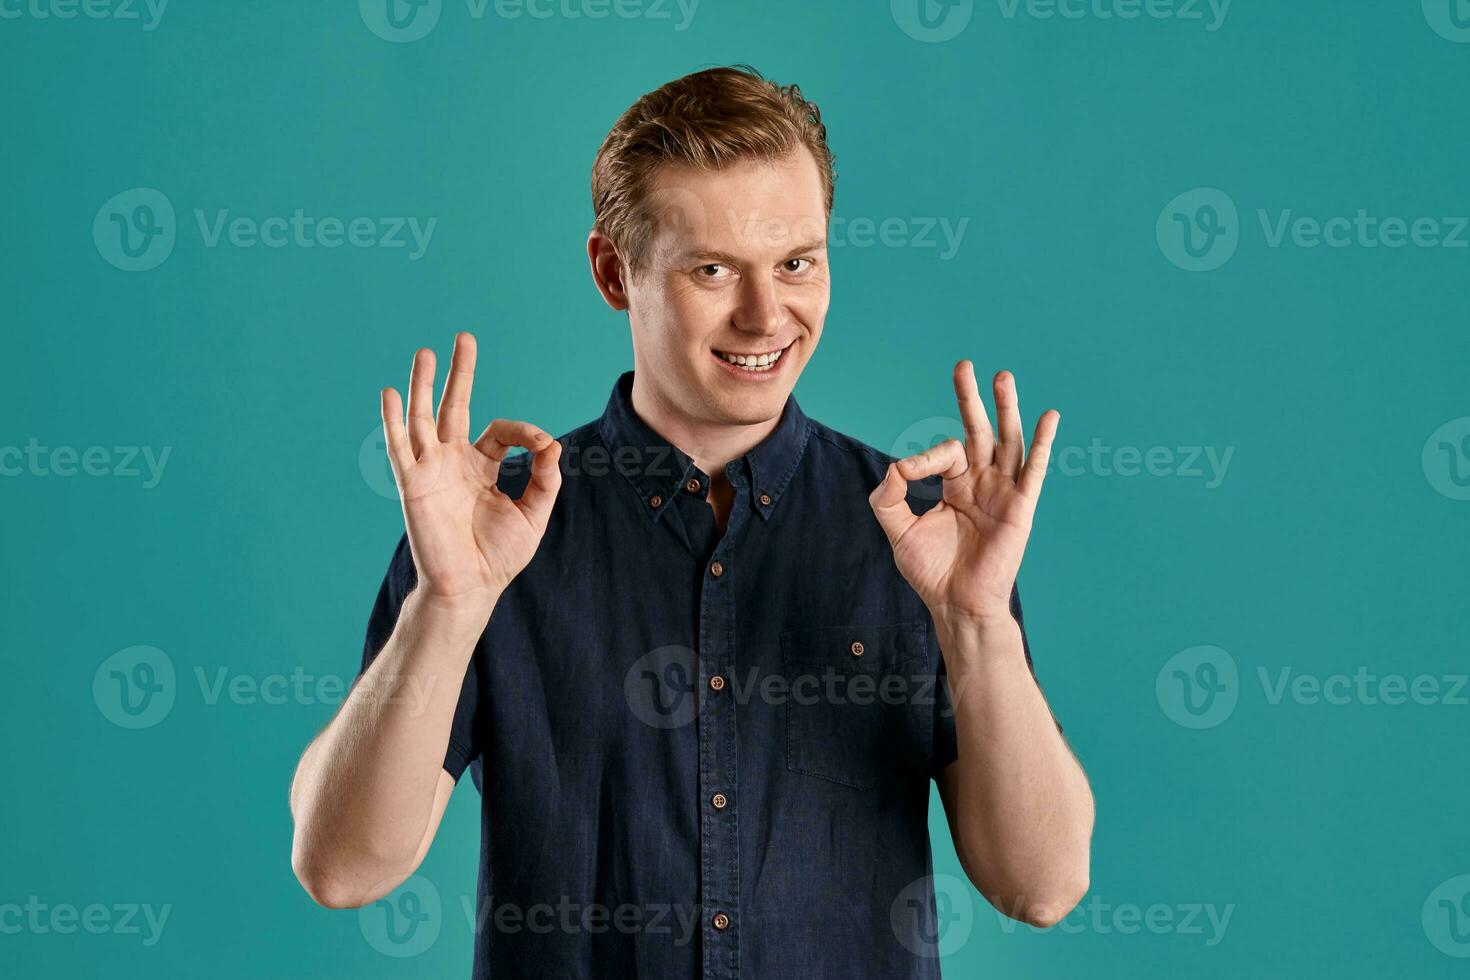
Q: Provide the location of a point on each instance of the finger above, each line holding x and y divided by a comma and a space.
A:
890, 505
421, 432
454, 404
503, 434
1034, 472
1011, 444
540, 493
400, 456
979, 442
948, 459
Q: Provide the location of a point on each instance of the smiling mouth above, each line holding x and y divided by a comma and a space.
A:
756, 362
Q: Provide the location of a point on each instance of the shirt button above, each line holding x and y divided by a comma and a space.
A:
717, 683
716, 569
655, 501
692, 486
765, 500
721, 921
719, 801
857, 648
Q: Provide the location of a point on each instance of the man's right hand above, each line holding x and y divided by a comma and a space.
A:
469, 539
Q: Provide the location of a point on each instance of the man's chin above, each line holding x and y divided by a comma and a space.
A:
751, 408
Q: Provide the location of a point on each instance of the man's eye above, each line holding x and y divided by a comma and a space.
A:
797, 266
712, 271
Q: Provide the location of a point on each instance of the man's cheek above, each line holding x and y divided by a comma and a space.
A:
814, 314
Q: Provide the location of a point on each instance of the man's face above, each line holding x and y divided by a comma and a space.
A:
736, 271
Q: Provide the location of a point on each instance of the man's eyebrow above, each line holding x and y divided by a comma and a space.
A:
815, 245
717, 255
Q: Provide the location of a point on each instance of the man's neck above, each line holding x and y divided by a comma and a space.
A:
710, 444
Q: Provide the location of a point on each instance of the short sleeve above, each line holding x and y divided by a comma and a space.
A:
399, 581
946, 745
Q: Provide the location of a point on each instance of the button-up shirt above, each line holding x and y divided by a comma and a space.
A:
703, 754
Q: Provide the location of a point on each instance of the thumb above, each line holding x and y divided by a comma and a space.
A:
890, 505
540, 492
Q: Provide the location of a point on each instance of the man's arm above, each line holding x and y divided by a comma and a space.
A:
370, 789
1018, 803
1019, 807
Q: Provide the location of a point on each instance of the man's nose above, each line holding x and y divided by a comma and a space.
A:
760, 309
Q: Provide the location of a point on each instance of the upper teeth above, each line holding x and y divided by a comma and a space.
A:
753, 362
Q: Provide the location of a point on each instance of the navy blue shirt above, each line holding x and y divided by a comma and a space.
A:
703, 755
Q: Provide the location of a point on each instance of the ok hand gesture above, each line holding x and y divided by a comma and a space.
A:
962, 555
469, 539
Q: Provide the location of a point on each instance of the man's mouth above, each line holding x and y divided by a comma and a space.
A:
754, 362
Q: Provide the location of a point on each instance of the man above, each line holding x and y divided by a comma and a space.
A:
696, 651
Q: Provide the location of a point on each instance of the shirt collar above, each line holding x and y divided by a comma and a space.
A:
659, 470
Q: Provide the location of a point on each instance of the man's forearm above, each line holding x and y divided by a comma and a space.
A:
364, 792
1022, 811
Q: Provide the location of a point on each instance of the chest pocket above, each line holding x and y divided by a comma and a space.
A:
859, 705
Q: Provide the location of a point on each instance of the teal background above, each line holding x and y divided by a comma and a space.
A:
1331, 543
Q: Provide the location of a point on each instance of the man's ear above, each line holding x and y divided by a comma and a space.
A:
608, 271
